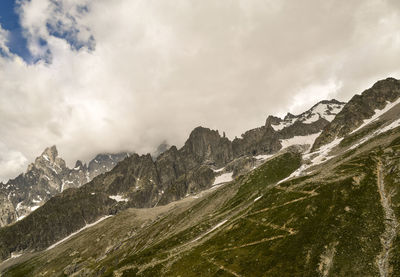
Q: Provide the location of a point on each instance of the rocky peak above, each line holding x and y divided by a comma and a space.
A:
50, 153
202, 132
358, 109
272, 120
207, 146
289, 116
200, 139
104, 162
46, 177
325, 110
79, 165
49, 160
387, 84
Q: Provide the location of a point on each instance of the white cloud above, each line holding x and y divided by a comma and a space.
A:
157, 69
3, 42
11, 161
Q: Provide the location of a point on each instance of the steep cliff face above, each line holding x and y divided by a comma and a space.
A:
103, 163
358, 109
206, 146
256, 141
7, 211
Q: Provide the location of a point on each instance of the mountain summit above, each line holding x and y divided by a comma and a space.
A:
358, 109
46, 177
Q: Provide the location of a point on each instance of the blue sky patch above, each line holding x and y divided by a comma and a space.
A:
18, 44
9, 20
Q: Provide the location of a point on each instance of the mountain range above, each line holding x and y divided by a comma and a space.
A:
314, 194
47, 176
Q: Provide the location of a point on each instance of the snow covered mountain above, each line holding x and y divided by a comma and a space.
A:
47, 177
325, 110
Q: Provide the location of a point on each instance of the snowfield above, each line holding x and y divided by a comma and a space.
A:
326, 111
119, 198
302, 140
226, 177
378, 114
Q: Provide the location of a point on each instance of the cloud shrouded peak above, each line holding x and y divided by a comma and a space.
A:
110, 76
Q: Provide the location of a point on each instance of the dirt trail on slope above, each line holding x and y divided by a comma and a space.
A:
223, 268
391, 224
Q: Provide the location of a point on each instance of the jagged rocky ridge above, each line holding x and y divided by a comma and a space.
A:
359, 108
141, 182
46, 177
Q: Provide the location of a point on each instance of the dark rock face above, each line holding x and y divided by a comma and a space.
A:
103, 163
59, 217
301, 129
272, 120
47, 177
205, 145
256, 141
359, 108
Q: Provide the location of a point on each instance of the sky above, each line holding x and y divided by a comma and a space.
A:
125, 75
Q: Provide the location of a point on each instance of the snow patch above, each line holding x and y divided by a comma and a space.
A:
65, 182
226, 177
55, 171
219, 170
118, 198
21, 217
322, 154
80, 230
258, 198
13, 256
283, 124
34, 208
212, 229
389, 127
378, 114
326, 111
314, 158
262, 157
312, 118
302, 140
19, 206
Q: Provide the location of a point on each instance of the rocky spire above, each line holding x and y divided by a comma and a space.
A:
51, 153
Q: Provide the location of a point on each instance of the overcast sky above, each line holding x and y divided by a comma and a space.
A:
103, 75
